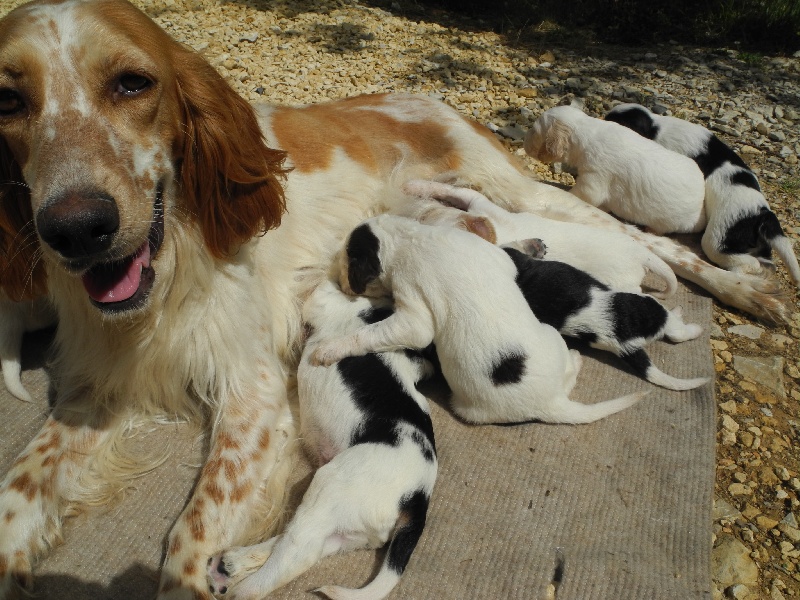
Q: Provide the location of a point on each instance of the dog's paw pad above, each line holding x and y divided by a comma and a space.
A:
218, 575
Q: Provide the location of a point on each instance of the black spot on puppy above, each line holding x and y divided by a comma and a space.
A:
751, 232
375, 314
637, 119
716, 154
509, 369
384, 403
363, 263
413, 512
554, 290
636, 316
745, 178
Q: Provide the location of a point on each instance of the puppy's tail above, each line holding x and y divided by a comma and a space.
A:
413, 512
641, 363
568, 411
770, 230
661, 269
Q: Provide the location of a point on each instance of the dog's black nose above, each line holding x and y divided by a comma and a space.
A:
79, 225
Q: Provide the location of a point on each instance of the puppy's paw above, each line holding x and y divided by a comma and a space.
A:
219, 579
325, 355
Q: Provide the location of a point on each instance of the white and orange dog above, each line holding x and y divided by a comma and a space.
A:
176, 229
618, 170
369, 429
742, 231
457, 291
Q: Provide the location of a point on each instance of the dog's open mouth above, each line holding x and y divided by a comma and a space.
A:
123, 285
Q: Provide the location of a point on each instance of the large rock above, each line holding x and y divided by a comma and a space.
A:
731, 563
766, 371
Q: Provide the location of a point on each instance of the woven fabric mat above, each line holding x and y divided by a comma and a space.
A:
621, 507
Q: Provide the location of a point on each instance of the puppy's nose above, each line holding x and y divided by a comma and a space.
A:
79, 225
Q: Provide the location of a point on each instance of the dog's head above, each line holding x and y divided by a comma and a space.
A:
360, 265
113, 137
549, 139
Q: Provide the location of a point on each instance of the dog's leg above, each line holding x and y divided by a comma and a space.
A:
406, 328
248, 448
230, 567
47, 477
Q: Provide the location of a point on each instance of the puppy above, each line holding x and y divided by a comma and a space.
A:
579, 306
456, 290
742, 231
609, 256
15, 319
369, 429
633, 178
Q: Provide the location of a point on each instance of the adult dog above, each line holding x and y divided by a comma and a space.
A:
136, 183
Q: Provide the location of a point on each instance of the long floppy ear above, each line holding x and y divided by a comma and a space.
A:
22, 273
556, 140
480, 226
363, 262
231, 180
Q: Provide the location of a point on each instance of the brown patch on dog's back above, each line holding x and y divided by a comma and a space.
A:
313, 134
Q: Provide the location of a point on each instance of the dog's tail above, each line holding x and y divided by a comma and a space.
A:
661, 269
568, 411
413, 512
643, 366
771, 232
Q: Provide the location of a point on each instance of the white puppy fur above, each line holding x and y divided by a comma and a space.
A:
368, 427
15, 319
611, 257
742, 231
618, 170
458, 291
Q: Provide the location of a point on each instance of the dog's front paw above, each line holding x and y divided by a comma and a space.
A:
230, 567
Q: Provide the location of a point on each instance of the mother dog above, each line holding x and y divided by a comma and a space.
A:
135, 186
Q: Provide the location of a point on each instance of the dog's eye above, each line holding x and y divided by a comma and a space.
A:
11, 103
131, 84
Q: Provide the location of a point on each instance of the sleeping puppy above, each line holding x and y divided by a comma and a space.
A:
634, 178
609, 256
15, 319
579, 306
368, 427
742, 231
456, 290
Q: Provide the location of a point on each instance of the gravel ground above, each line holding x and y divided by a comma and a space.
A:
297, 52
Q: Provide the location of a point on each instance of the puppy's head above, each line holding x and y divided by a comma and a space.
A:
360, 263
549, 139
635, 117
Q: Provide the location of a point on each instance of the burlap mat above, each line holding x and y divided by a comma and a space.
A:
621, 508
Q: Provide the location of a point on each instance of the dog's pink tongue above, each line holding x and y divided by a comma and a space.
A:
116, 282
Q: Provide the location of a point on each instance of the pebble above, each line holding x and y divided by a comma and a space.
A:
731, 563
748, 331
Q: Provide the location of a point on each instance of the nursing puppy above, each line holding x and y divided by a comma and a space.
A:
368, 427
622, 172
456, 290
742, 231
16, 318
609, 256
623, 323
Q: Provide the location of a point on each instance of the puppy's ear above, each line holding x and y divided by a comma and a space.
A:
557, 139
480, 226
363, 262
231, 180
22, 273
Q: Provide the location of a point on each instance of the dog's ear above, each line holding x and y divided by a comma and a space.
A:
231, 180
557, 139
480, 226
363, 262
22, 273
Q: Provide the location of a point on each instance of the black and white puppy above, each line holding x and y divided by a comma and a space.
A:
579, 306
742, 231
369, 429
454, 289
